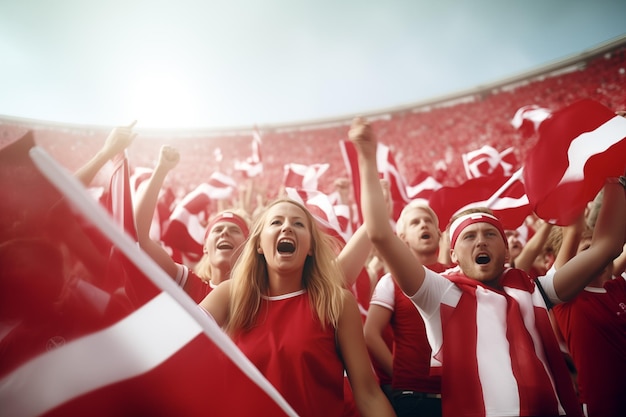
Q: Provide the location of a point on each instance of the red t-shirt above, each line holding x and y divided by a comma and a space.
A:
594, 327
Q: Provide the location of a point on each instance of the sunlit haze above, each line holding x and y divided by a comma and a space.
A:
195, 64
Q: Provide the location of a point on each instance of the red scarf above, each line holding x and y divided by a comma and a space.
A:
533, 350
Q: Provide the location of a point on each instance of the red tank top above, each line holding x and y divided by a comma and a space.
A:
290, 348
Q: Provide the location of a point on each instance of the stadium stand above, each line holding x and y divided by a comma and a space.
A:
421, 135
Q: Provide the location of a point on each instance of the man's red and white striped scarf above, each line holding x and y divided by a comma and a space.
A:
501, 356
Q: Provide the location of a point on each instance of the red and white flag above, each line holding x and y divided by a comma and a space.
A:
423, 186
220, 186
165, 200
139, 176
119, 199
303, 176
487, 161
69, 347
387, 169
506, 196
578, 147
184, 230
322, 210
528, 118
253, 165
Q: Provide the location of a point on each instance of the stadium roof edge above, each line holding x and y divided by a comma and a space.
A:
550, 69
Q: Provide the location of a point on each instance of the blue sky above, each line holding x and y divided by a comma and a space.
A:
236, 63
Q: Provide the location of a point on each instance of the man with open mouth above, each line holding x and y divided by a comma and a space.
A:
487, 324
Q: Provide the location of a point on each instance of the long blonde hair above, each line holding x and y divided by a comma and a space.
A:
321, 277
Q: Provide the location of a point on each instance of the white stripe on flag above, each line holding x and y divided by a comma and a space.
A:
74, 191
129, 348
591, 143
191, 222
500, 204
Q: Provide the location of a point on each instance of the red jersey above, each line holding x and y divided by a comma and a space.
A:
193, 285
594, 327
411, 350
300, 358
497, 349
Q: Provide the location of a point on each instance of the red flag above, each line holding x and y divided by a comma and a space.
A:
68, 350
303, 176
164, 208
119, 198
322, 210
342, 211
528, 118
220, 186
579, 146
165, 200
387, 169
423, 186
138, 177
504, 195
487, 161
253, 165
185, 229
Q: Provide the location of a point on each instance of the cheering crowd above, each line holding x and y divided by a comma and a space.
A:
426, 316
504, 296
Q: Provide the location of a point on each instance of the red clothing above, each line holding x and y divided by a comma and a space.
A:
498, 352
193, 285
290, 348
411, 350
594, 327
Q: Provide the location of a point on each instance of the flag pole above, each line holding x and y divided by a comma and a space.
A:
516, 175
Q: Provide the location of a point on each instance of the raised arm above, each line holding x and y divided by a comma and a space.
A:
118, 140
606, 245
405, 268
353, 256
533, 247
146, 204
570, 240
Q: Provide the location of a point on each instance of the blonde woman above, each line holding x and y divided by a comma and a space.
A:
286, 308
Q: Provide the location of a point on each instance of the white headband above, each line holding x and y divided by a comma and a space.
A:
462, 222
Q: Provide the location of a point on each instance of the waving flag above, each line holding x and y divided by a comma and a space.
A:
303, 176
487, 161
185, 228
253, 165
528, 118
506, 196
579, 146
138, 177
322, 210
119, 200
423, 186
220, 186
165, 200
387, 169
69, 347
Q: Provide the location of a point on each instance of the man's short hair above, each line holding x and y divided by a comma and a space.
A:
419, 204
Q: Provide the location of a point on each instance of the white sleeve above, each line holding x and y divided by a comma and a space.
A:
547, 284
434, 291
181, 275
384, 293
430, 295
